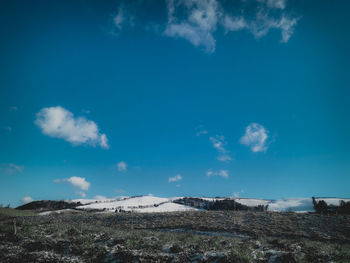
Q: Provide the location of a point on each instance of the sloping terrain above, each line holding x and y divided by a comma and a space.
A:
152, 204
192, 236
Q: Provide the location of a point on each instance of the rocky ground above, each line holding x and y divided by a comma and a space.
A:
215, 236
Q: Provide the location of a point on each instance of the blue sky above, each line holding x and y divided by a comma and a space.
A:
207, 98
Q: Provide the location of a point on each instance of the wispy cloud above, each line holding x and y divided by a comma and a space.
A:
12, 169
27, 199
198, 20
219, 144
121, 19
122, 166
198, 26
60, 123
255, 137
281, 4
75, 181
222, 173
176, 178
200, 130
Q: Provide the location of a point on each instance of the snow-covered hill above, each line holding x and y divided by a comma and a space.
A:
151, 204
146, 204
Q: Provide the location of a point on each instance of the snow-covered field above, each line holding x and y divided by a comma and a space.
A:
145, 204
152, 204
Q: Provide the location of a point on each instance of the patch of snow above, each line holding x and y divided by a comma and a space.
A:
166, 207
58, 212
127, 204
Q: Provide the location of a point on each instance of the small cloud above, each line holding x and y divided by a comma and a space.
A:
119, 18
176, 178
280, 4
13, 169
13, 109
255, 137
219, 144
75, 181
27, 199
82, 194
237, 194
104, 141
60, 123
122, 19
222, 173
234, 23
200, 130
198, 27
122, 166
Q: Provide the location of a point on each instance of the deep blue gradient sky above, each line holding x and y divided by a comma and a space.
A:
150, 92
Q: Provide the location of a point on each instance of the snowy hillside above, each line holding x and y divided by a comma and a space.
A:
145, 204
151, 204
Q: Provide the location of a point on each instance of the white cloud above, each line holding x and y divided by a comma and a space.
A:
75, 181
234, 23
219, 144
255, 137
198, 20
176, 178
281, 4
222, 173
58, 122
264, 23
199, 24
82, 194
27, 199
122, 166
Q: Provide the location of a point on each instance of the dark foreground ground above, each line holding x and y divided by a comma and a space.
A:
215, 236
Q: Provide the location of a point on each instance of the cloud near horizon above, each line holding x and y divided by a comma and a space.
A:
176, 178
27, 199
255, 137
60, 123
222, 173
75, 181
